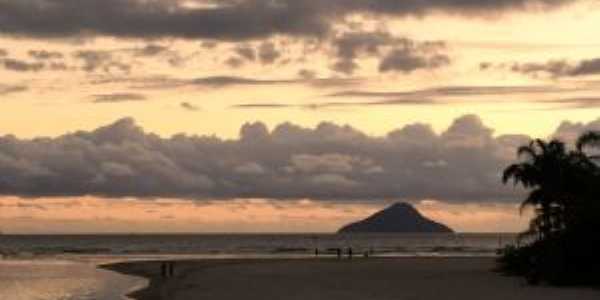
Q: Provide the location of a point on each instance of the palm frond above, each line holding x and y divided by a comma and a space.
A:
591, 138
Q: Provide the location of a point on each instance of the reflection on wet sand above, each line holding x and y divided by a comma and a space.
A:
62, 280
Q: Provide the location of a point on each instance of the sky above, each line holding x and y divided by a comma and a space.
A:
282, 115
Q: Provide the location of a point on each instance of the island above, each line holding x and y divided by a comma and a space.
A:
398, 218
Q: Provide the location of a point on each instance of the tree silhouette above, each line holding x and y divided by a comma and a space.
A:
544, 171
564, 185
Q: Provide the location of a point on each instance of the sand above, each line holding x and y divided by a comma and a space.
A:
358, 279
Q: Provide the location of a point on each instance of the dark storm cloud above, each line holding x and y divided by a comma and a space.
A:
118, 97
329, 162
231, 20
156, 18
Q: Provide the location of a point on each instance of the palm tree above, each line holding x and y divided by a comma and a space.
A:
588, 206
591, 138
564, 190
544, 170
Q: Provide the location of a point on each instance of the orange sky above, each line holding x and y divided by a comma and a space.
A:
100, 215
521, 69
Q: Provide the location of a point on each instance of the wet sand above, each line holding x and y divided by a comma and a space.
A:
358, 279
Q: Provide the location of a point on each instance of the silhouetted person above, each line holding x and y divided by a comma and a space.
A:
316, 252
349, 252
171, 269
339, 253
163, 270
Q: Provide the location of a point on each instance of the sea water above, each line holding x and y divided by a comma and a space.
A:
54, 279
64, 267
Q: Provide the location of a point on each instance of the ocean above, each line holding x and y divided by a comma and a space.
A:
63, 267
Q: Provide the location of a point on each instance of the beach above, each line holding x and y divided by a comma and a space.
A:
332, 279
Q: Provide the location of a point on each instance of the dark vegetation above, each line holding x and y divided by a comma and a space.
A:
562, 244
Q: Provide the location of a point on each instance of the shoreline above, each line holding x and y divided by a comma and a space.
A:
326, 278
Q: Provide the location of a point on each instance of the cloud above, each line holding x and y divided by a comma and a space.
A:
552, 68
89, 60
3, 52
162, 82
41, 63
407, 61
574, 103
569, 131
268, 53
329, 162
21, 66
395, 53
10, 89
224, 81
229, 20
439, 96
262, 105
118, 97
45, 54
351, 45
393, 101
447, 91
150, 50
246, 52
307, 74
234, 62
94, 60
325, 105
586, 67
250, 168
227, 81
189, 106
224, 20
